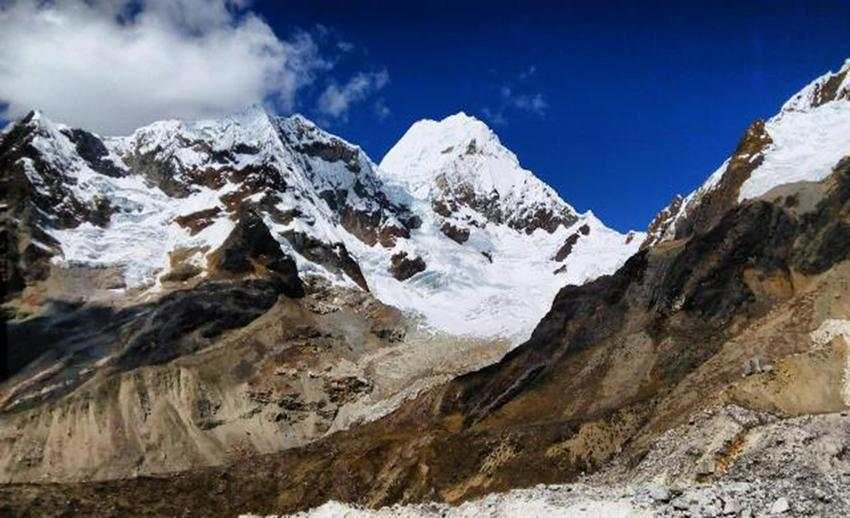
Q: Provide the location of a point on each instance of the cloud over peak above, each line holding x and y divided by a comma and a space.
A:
512, 100
336, 100
114, 65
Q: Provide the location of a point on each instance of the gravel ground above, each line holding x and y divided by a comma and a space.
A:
739, 499
777, 467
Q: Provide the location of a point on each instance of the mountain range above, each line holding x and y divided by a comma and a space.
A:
249, 315
449, 218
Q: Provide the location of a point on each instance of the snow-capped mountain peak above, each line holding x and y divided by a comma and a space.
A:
460, 166
829, 87
429, 145
515, 240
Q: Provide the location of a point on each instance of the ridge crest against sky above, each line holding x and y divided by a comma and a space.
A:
617, 107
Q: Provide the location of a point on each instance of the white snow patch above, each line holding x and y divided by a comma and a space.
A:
806, 146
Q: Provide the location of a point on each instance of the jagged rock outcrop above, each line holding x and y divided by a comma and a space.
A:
334, 257
251, 249
457, 234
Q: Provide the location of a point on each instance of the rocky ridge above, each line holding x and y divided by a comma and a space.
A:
802, 142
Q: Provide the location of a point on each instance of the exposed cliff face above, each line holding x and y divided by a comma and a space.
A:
39, 192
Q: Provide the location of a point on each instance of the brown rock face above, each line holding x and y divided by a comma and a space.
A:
197, 221
388, 234
404, 267
453, 196
662, 221
567, 248
27, 251
56, 203
372, 226
333, 256
250, 249
828, 91
747, 157
457, 234
35, 196
181, 273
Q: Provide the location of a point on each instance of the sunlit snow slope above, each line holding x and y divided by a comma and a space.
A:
450, 228
504, 276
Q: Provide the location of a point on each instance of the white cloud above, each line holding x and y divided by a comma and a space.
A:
496, 117
336, 100
532, 103
113, 65
527, 73
382, 111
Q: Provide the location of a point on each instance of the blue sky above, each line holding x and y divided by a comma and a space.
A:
638, 103
617, 106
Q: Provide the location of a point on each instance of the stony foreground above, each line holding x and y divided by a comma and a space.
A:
795, 467
745, 499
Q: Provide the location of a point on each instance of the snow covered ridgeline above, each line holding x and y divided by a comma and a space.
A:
803, 142
486, 238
